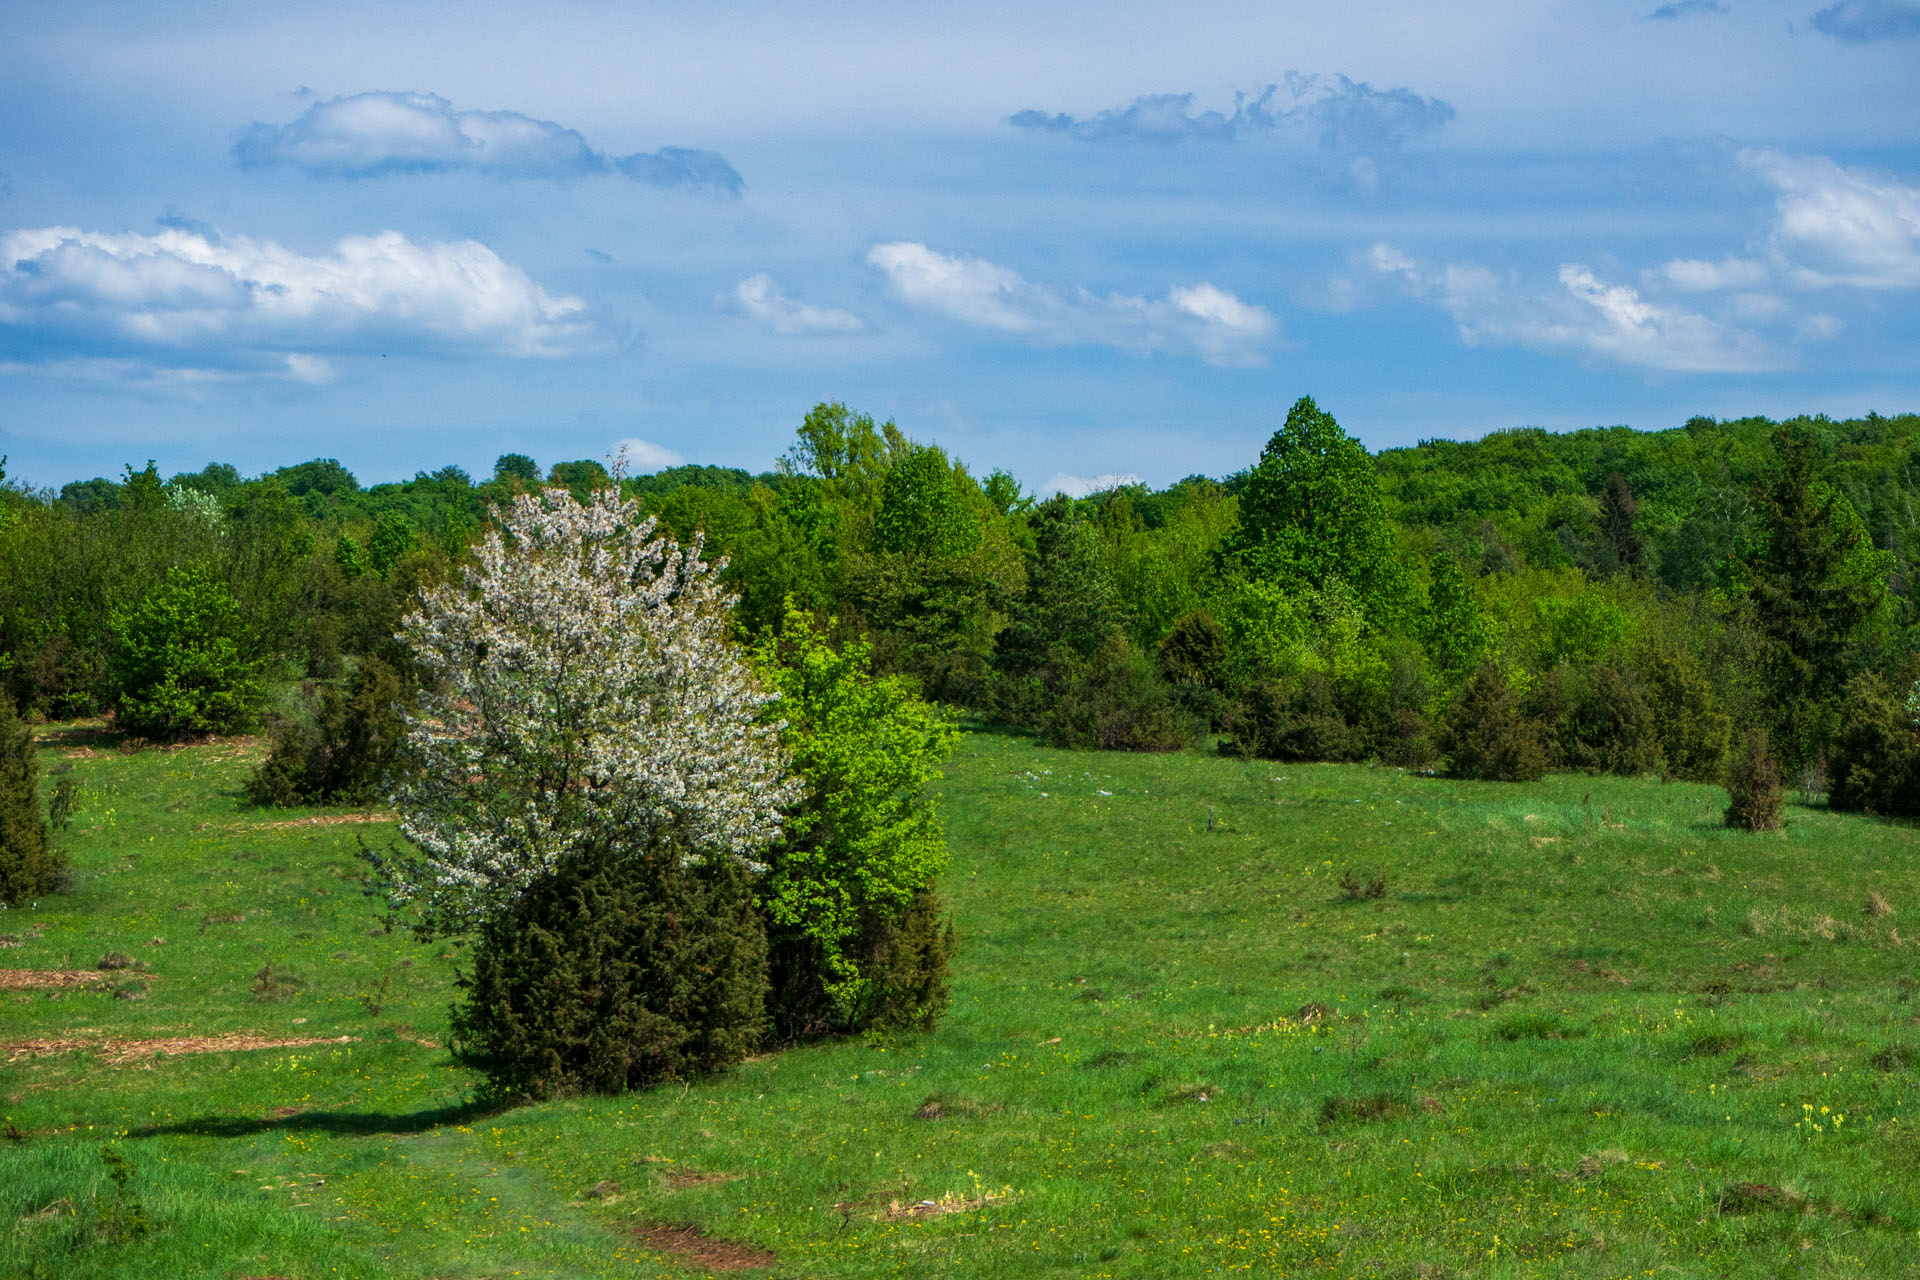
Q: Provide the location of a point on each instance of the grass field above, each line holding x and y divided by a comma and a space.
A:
1568, 1029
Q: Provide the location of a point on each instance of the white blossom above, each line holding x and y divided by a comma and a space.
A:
580, 686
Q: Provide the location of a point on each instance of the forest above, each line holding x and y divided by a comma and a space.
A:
1606, 600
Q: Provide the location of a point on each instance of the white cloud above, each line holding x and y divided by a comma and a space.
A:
205, 298
1840, 226
1347, 115
759, 298
1081, 486
644, 456
1697, 276
1199, 319
1587, 316
369, 134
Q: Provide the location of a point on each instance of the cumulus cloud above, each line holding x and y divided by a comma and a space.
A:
370, 134
1586, 315
1695, 275
644, 456
1838, 226
1344, 114
759, 298
1198, 319
184, 298
1358, 117
1081, 486
1865, 21
1686, 9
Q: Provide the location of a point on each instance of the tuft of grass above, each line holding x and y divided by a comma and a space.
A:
1368, 1108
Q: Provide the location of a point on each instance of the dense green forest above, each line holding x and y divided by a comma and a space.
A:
1607, 600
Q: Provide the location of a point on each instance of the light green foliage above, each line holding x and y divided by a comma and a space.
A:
1579, 629
1457, 635
865, 839
1313, 514
392, 538
182, 665
927, 507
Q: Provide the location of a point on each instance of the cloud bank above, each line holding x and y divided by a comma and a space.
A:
759, 298
1586, 316
1839, 226
1345, 115
367, 135
189, 297
1866, 21
1199, 319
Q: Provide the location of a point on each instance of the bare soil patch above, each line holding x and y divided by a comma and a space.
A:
117, 1052
694, 1178
47, 979
320, 820
692, 1247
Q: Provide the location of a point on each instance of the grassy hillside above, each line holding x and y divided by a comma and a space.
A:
1570, 1029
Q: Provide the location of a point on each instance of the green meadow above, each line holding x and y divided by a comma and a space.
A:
1210, 1016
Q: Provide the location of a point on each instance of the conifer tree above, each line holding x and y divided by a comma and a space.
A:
29, 867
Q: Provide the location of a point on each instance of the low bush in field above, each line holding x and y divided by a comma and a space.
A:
627, 965
345, 750
1486, 734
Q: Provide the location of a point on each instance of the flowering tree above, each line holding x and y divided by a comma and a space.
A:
581, 691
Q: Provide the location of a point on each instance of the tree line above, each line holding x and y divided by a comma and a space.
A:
1607, 600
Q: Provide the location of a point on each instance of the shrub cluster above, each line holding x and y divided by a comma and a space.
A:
1755, 799
1486, 734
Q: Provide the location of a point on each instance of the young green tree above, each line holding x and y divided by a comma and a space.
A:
856, 931
29, 865
1313, 513
182, 661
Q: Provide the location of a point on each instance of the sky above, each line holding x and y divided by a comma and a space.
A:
1075, 242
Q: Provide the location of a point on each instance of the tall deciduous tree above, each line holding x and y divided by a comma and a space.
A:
1313, 513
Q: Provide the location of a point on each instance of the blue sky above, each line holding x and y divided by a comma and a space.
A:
1071, 242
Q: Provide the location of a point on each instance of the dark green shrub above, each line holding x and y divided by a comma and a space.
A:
1687, 717
624, 967
856, 935
904, 961
1597, 719
1873, 765
1115, 701
29, 866
1195, 651
181, 662
349, 749
1755, 799
1293, 720
1485, 734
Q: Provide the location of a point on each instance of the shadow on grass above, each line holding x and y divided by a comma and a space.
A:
346, 1124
